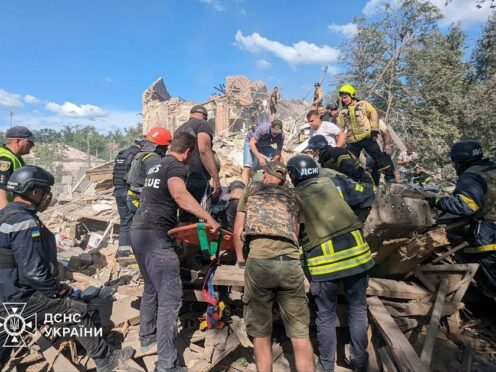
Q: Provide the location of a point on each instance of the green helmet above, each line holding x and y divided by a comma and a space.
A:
347, 89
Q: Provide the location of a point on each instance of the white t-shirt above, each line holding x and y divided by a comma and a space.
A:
329, 130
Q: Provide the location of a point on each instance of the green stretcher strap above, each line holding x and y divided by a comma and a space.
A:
211, 248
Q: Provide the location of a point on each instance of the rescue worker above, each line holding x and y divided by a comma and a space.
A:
421, 177
163, 194
318, 96
274, 99
338, 159
122, 163
153, 150
334, 253
269, 214
18, 141
335, 136
258, 147
28, 270
474, 198
202, 165
360, 121
384, 140
331, 112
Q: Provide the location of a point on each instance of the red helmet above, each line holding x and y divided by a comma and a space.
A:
159, 136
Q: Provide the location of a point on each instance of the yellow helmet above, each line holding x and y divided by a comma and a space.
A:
347, 89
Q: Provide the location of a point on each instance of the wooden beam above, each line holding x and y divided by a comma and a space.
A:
428, 346
404, 355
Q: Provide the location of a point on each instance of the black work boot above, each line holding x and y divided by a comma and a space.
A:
161, 368
148, 343
114, 359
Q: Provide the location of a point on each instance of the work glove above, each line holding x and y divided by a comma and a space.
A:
432, 200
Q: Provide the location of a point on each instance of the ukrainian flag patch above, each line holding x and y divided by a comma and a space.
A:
35, 233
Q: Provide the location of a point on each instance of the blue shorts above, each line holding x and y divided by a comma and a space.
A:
251, 161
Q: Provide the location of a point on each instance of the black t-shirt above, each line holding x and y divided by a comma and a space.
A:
195, 126
158, 210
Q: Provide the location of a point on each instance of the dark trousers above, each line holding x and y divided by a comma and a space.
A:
42, 305
198, 187
372, 148
325, 294
374, 169
126, 217
162, 296
132, 205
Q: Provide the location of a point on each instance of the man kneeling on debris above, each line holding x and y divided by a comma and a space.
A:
338, 159
28, 275
163, 194
335, 253
474, 198
269, 214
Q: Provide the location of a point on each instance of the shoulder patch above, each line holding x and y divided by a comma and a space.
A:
5, 165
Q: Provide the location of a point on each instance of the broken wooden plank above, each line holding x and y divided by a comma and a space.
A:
428, 346
52, 356
406, 309
403, 352
238, 326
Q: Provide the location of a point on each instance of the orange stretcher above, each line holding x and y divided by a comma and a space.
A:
196, 234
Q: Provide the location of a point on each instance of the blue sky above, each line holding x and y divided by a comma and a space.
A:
88, 62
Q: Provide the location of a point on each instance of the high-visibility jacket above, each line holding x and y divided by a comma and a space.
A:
333, 244
17, 163
475, 196
359, 119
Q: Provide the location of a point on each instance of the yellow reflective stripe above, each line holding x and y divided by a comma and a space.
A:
469, 201
359, 187
132, 193
341, 158
483, 248
348, 264
343, 255
340, 191
147, 156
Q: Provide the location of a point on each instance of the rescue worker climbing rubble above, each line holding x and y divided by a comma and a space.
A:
153, 150
360, 121
334, 252
474, 198
339, 159
318, 96
28, 273
269, 214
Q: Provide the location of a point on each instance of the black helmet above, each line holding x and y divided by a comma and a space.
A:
316, 85
302, 167
317, 142
235, 185
465, 153
332, 106
140, 141
29, 177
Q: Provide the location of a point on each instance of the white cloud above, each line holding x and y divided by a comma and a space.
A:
463, 11
32, 100
108, 79
69, 109
301, 52
10, 99
114, 120
263, 64
348, 30
214, 4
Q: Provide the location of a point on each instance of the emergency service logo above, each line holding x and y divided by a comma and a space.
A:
15, 325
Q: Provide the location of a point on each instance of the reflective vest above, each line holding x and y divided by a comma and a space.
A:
359, 119
487, 210
122, 163
17, 163
272, 211
333, 245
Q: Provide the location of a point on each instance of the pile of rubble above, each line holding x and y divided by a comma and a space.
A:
418, 320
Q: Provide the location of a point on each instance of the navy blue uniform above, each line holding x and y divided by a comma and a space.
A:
343, 161
28, 275
469, 198
34, 252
